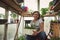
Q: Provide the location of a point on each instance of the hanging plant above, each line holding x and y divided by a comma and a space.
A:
43, 11
13, 15
51, 3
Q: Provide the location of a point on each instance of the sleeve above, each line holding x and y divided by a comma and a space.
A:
40, 20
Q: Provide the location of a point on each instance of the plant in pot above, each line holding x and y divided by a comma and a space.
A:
22, 37
43, 11
51, 5
54, 21
14, 16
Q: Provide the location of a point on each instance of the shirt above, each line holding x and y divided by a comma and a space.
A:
36, 24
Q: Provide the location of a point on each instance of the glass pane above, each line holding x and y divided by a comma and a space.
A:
1, 32
11, 31
2, 13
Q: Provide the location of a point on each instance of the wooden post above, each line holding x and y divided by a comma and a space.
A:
38, 2
6, 25
16, 35
5, 32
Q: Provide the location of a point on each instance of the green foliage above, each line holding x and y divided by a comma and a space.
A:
13, 15
21, 38
51, 3
54, 21
44, 10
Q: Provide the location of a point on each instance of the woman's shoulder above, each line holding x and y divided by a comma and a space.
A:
40, 20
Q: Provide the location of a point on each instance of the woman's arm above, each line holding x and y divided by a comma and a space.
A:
41, 27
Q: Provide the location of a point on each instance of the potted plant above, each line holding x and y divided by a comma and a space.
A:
14, 17
43, 11
21, 38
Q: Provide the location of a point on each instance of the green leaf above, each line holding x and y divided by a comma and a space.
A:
50, 3
13, 15
44, 10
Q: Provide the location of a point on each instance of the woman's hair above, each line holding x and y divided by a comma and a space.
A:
37, 13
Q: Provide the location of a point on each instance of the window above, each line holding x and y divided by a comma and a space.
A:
31, 4
27, 21
2, 13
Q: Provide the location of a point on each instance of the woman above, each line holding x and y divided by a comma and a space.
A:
39, 32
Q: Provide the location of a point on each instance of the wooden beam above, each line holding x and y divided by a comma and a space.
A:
11, 4
6, 25
57, 7
26, 14
3, 5
5, 32
50, 15
38, 2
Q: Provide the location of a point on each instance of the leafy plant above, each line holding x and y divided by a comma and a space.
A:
21, 38
50, 3
54, 21
13, 15
44, 10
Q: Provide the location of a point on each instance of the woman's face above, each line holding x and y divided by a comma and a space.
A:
35, 15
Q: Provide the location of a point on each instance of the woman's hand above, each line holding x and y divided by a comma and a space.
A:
35, 33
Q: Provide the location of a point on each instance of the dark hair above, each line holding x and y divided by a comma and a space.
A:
37, 13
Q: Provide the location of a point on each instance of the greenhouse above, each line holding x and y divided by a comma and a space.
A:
29, 19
